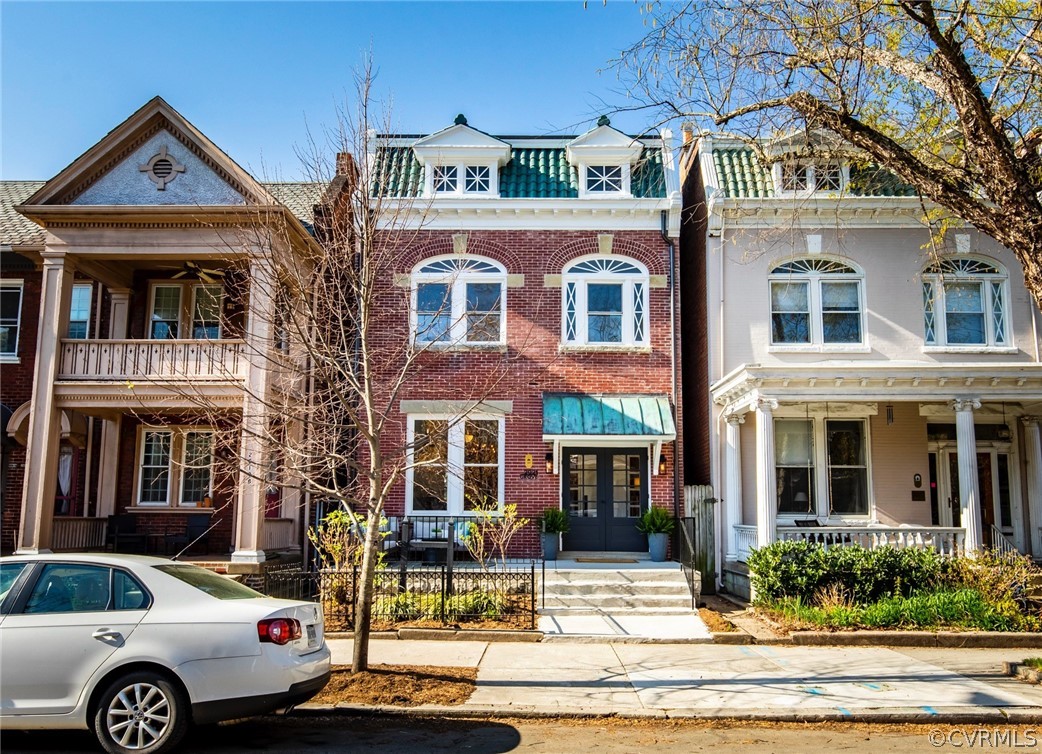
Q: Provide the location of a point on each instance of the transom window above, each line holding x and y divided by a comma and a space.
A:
605, 302
604, 178
186, 311
459, 300
798, 177
816, 301
964, 304
843, 488
10, 318
175, 467
456, 464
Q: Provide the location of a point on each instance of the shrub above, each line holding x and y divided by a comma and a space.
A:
400, 607
803, 569
554, 521
1002, 580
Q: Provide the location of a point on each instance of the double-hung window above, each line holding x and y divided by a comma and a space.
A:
964, 304
837, 447
186, 311
175, 467
455, 464
605, 302
10, 318
816, 302
459, 301
79, 310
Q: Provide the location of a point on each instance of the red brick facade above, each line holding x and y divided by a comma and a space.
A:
533, 363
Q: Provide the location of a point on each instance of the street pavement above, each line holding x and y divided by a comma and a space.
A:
717, 681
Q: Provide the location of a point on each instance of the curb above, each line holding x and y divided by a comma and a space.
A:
953, 716
939, 639
1022, 672
447, 634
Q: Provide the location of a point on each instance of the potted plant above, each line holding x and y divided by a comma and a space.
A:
658, 525
553, 523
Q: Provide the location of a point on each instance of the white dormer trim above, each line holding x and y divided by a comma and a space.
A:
460, 147
603, 146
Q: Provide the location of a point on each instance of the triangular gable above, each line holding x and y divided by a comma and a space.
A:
461, 141
605, 145
154, 158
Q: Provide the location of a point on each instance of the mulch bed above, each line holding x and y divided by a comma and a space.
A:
400, 685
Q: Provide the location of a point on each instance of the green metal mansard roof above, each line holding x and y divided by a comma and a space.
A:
646, 416
742, 176
531, 173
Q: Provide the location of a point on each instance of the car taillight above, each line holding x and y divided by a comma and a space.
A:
278, 630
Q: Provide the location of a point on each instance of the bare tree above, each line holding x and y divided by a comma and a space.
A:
946, 94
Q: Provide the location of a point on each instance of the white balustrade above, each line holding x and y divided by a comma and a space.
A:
278, 533
746, 540
152, 360
946, 540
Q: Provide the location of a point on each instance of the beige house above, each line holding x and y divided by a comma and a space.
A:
866, 384
154, 337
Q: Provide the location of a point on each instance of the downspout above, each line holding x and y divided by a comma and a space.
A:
671, 249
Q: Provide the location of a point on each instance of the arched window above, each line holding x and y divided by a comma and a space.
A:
459, 300
816, 302
605, 302
964, 303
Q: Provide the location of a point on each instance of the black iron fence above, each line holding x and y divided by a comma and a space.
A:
417, 595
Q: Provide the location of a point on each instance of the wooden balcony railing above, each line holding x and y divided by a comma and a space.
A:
278, 533
73, 534
152, 360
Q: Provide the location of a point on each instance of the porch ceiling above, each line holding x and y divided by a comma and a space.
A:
1015, 383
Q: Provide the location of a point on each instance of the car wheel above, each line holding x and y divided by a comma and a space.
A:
141, 713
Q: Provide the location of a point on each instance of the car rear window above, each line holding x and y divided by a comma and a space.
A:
214, 584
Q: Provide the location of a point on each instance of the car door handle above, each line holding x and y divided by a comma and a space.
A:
107, 635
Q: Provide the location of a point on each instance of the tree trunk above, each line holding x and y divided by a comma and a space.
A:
367, 581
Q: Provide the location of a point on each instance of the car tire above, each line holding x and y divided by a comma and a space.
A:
141, 713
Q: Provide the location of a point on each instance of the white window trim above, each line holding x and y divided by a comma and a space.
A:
627, 280
457, 303
177, 450
90, 301
13, 358
461, 180
821, 484
939, 281
817, 343
454, 477
812, 178
186, 307
625, 192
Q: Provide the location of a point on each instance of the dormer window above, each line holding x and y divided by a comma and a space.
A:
803, 177
604, 179
477, 180
444, 179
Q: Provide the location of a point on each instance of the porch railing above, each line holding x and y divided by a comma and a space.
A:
746, 540
152, 359
74, 533
946, 540
278, 533
1001, 544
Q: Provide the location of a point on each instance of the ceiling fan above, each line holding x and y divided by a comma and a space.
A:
205, 274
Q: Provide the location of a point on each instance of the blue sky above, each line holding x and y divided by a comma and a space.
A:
254, 76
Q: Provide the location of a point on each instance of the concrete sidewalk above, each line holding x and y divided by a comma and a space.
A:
715, 681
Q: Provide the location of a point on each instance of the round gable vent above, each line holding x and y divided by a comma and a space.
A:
162, 169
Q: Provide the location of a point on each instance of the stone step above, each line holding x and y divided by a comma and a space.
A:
613, 577
650, 611
645, 588
606, 601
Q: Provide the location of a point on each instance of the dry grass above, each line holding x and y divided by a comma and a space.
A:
400, 685
716, 622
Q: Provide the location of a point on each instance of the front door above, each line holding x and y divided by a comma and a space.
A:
604, 492
993, 479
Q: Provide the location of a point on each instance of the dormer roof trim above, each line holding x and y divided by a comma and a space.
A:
604, 145
461, 143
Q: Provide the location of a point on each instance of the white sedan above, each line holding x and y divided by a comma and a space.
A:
139, 648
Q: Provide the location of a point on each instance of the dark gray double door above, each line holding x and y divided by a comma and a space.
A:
604, 491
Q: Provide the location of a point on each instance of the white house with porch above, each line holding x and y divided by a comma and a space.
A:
868, 382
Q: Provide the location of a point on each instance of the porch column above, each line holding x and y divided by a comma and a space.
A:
733, 482
766, 484
253, 467
969, 488
41, 451
108, 462
1033, 468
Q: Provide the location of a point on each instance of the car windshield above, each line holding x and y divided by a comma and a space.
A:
217, 586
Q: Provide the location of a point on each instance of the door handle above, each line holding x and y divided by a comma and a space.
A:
108, 635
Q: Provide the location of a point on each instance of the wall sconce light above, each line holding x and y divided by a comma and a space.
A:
889, 413
549, 463
662, 464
